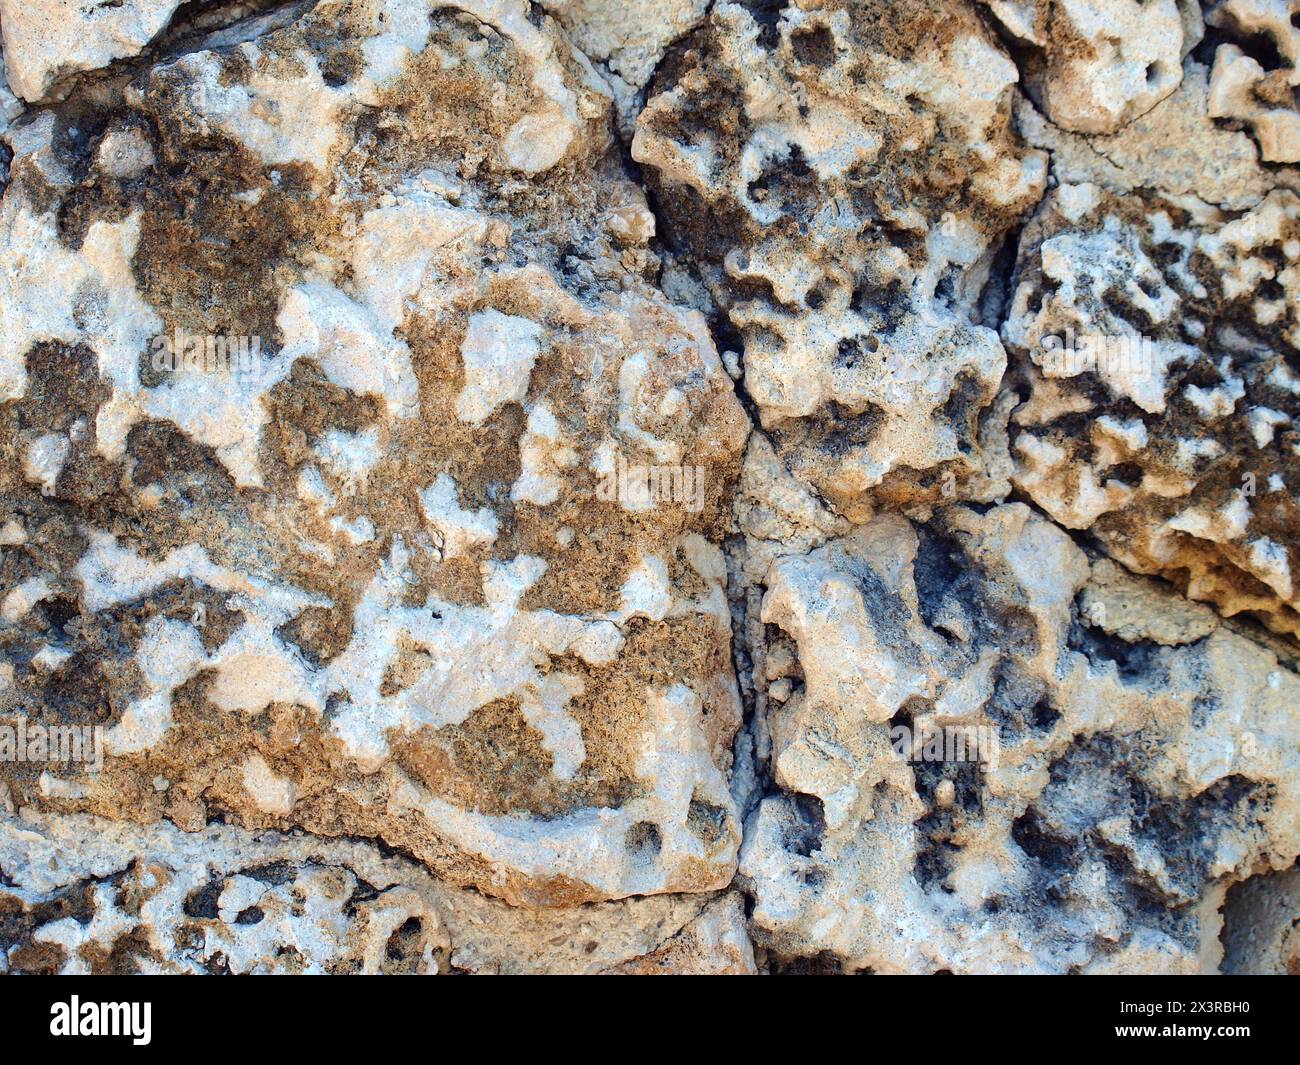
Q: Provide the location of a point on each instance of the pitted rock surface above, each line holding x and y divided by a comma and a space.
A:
649, 488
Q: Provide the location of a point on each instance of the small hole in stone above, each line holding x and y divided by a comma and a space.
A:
405, 940
643, 839
814, 47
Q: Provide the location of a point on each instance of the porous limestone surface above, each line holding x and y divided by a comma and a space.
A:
1257, 72
396, 607
91, 895
47, 40
840, 181
1159, 348
649, 488
627, 41
1120, 781
1095, 65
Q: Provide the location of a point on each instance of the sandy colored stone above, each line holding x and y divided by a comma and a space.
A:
627, 41
1242, 89
1094, 66
844, 219
1157, 343
47, 40
1117, 785
90, 895
396, 611
1176, 147
587, 487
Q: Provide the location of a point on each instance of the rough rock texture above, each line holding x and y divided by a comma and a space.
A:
1095, 65
1260, 921
1177, 446
47, 40
1138, 761
652, 488
113, 897
412, 622
1257, 73
627, 41
840, 185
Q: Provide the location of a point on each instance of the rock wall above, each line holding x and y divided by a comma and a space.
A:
654, 488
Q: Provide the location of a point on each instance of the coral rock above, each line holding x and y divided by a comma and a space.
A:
628, 487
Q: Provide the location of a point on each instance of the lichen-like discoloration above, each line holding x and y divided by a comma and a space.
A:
841, 185
399, 606
1117, 781
1175, 440
648, 488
